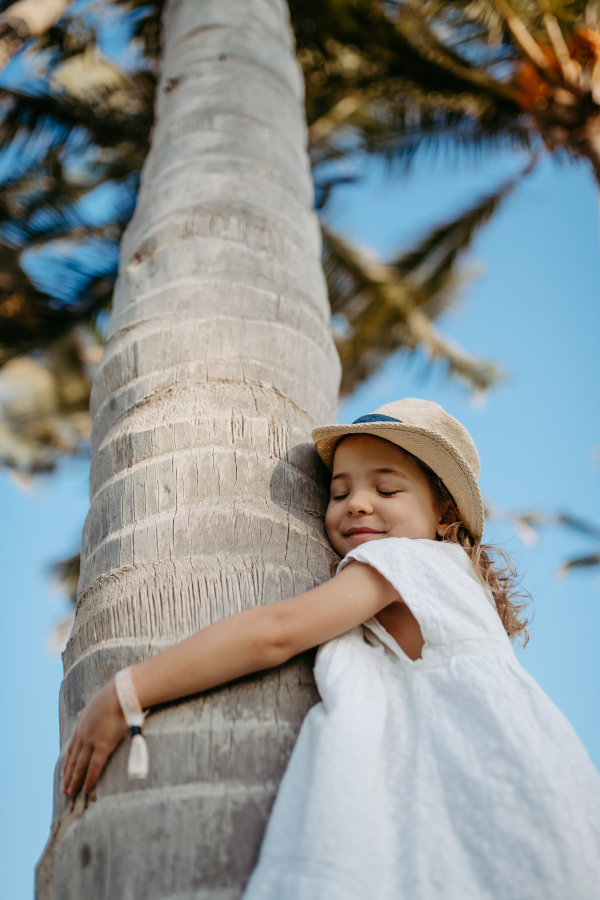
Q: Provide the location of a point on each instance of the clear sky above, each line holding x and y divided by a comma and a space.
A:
535, 311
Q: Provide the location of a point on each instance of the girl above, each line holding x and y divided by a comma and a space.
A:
435, 768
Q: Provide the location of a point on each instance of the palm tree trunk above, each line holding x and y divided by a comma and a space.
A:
205, 498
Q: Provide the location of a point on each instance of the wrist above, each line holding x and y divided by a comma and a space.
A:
105, 706
112, 698
142, 684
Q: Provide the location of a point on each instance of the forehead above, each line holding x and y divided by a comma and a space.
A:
359, 451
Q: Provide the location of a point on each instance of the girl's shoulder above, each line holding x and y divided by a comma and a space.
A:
418, 565
401, 551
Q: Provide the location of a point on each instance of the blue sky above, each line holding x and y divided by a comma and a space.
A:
534, 310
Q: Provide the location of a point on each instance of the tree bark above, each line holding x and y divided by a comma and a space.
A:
205, 491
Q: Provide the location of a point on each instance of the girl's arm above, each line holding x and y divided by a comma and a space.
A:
236, 646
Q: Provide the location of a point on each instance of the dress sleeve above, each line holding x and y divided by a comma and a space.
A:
438, 584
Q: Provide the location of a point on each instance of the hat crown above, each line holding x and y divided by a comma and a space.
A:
427, 414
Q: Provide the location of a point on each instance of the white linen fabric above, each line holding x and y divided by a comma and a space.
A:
452, 777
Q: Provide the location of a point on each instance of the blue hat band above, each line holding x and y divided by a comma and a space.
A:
375, 417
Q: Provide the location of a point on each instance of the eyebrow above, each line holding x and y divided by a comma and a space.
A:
373, 472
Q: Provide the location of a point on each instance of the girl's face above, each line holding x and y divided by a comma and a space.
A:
377, 491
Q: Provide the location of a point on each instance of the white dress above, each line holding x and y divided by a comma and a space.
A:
452, 777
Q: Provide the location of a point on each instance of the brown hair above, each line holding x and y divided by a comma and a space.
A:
500, 579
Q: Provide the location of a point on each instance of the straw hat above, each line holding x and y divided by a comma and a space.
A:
433, 436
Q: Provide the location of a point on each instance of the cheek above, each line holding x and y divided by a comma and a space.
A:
426, 519
411, 512
331, 518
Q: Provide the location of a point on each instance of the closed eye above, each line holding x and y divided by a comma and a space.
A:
340, 497
388, 493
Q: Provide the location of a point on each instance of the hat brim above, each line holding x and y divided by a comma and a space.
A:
431, 448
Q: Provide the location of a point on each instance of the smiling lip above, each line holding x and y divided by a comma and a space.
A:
355, 534
362, 530
360, 535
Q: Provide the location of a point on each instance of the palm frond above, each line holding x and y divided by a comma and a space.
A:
376, 313
31, 318
60, 144
478, 374
579, 525
528, 524
440, 57
66, 573
372, 74
441, 132
16, 26
44, 403
427, 265
58, 258
380, 309
410, 119
114, 117
88, 76
409, 73
580, 562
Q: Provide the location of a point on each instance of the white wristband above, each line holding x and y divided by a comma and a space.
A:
137, 764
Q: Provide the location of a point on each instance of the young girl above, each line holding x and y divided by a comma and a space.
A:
435, 768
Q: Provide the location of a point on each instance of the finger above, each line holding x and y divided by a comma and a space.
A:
73, 751
79, 768
95, 766
76, 752
70, 746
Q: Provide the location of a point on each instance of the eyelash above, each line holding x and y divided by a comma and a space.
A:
382, 493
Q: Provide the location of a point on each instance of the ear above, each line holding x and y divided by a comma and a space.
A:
445, 518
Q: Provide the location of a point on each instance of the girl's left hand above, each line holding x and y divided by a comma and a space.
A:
100, 727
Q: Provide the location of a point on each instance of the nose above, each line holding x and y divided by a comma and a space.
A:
359, 503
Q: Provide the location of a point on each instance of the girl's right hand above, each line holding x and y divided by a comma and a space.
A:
100, 727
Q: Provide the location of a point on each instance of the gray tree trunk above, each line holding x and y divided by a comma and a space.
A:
204, 491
